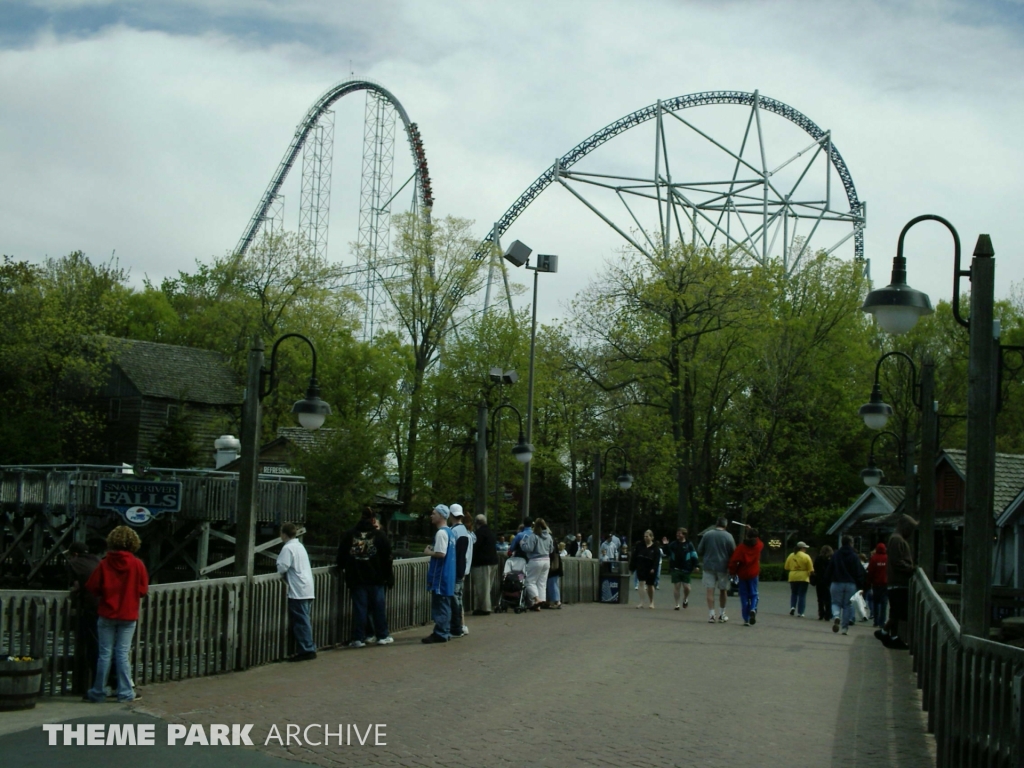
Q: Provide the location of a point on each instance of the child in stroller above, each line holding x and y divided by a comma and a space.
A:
513, 586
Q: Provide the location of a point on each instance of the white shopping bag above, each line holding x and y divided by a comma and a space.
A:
860, 607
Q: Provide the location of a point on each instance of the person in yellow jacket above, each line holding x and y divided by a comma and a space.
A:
800, 567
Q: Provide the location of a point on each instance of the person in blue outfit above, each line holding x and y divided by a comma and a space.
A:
441, 576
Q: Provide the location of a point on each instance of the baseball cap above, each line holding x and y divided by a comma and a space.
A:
442, 510
456, 510
801, 545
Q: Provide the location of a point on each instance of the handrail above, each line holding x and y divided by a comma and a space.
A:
194, 628
972, 688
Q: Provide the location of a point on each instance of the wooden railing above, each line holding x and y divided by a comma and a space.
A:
194, 629
971, 688
1004, 601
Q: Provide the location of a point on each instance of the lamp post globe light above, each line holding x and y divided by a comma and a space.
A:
518, 254
875, 412
871, 474
311, 412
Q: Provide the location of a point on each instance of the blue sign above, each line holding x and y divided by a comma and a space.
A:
139, 502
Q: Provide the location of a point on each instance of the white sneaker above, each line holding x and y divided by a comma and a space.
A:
465, 629
371, 640
357, 644
386, 640
723, 618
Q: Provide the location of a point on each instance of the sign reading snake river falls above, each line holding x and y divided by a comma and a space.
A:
139, 502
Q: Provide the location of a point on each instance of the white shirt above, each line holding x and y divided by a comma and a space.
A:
460, 532
609, 551
441, 541
293, 562
586, 554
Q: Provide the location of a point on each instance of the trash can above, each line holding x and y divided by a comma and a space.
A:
614, 582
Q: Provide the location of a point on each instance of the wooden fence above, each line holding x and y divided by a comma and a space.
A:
196, 628
972, 689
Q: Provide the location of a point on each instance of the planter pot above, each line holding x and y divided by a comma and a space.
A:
20, 684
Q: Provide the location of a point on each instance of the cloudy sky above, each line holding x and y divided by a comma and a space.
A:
151, 128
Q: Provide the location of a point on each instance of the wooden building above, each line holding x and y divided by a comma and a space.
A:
165, 405
872, 517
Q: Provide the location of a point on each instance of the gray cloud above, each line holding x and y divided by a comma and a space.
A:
153, 129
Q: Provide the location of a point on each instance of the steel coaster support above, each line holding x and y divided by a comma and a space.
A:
315, 199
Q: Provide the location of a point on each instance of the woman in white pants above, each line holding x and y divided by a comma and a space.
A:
537, 547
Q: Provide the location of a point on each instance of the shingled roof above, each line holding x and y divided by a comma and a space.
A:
177, 373
1009, 475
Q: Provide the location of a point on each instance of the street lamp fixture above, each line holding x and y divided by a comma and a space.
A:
523, 450
519, 254
897, 307
311, 412
876, 412
624, 479
872, 475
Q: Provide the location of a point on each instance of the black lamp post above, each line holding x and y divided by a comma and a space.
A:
310, 411
522, 451
897, 308
625, 481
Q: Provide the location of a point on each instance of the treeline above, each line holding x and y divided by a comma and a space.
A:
730, 386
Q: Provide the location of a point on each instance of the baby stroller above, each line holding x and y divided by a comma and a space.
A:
513, 586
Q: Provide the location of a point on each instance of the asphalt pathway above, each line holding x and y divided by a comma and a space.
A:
587, 685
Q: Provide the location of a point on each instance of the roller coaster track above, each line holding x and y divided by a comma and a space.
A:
321, 105
753, 100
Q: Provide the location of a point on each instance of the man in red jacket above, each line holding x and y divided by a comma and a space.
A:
745, 562
118, 582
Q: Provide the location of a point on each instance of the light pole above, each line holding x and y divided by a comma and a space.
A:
897, 308
499, 377
519, 254
919, 497
311, 412
625, 481
522, 451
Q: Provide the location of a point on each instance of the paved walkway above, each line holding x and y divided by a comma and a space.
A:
587, 685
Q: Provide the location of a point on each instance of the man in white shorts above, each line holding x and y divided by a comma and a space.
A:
715, 549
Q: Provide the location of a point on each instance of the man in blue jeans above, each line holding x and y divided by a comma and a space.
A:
441, 576
293, 565
846, 574
364, 556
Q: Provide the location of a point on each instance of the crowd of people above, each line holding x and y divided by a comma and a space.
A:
108, 590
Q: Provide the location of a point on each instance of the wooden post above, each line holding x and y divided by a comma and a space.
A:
981, 446
926, 469
248, 493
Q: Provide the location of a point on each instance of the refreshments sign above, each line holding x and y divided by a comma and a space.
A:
138, 501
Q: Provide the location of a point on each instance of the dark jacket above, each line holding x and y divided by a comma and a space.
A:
556, 563
680, 557
821, 582
79, 570
846, 568
572, 548
899, 566
364, 556
119, 581
485, 551
644, 560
